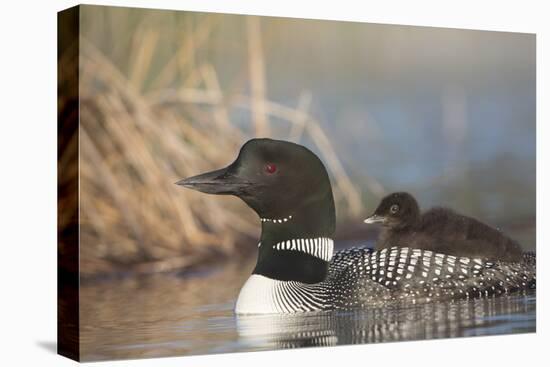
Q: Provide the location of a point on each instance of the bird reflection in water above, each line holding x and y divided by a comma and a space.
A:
413, 322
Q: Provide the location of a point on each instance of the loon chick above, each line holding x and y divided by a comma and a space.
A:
288, 186
439, 229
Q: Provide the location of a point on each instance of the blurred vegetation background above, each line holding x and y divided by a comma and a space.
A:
448, 115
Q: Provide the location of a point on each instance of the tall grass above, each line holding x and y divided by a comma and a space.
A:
142, 128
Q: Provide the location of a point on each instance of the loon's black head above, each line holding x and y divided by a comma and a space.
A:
397, 210
274, 177
289, 188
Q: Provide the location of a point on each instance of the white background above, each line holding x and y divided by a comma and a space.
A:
28, 181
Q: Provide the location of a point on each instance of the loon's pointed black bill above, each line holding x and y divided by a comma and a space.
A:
375, 219
218, 182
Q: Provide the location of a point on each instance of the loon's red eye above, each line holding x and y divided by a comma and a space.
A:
270, 168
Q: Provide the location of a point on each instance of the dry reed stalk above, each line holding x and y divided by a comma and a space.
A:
298, 128
182, 57
186, 61
257, 76
220, 111
143, 53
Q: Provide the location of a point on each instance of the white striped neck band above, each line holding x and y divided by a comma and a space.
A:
277, 220
321, 247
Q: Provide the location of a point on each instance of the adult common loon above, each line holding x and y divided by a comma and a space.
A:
439, 229
297, 270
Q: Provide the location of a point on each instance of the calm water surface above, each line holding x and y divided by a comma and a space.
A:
167, 315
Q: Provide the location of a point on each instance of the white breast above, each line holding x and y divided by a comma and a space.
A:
258, 296
262, 295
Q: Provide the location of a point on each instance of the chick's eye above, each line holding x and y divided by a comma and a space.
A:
270, 168
394, 208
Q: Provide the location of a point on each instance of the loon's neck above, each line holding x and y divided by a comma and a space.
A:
298, 245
